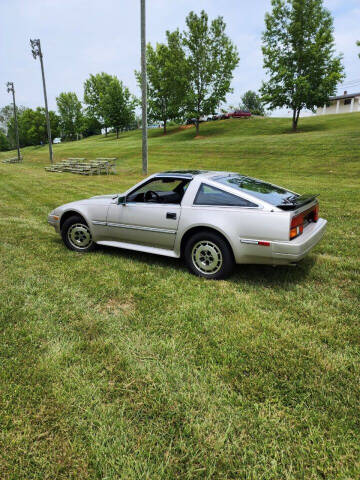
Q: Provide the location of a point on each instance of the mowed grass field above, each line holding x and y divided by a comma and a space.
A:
122, 365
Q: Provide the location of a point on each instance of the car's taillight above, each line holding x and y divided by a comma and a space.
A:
316, 213
296, 226
297, 223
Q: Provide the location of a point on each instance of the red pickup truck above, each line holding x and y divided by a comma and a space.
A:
239, 114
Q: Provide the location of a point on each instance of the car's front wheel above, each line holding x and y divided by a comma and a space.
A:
76, 234
208, 255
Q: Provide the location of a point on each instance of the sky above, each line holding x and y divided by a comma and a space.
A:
80, 37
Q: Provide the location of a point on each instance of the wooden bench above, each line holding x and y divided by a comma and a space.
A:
82, 167
108, 164
13, 160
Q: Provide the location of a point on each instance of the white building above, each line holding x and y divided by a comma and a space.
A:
347, 103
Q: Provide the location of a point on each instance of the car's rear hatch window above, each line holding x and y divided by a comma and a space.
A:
277, 196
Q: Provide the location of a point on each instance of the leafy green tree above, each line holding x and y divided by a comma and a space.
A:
94, 90
89, 125
4, 142
211, 59
118, 106
54, 124
32, 127
252, 102
6, 114
299, 56
167, 79
6, 121
358, 44
70, 112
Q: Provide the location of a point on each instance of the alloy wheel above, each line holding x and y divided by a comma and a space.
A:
79, 236
207, 257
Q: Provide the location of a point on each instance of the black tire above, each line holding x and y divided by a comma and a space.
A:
208, 255
76, 235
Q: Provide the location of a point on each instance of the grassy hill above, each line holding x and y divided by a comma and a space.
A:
123, 365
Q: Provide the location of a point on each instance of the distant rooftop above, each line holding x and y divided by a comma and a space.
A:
344, 96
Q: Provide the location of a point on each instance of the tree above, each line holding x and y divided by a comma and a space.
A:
6, 114
69, 107
4, 143
54, 124
32, 127
251, 101
6, 119
167, 79
89, 125
358, 44
211, 59
94, 89
118, 106
299, 56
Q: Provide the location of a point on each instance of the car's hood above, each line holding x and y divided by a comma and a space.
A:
98, 200
101, 197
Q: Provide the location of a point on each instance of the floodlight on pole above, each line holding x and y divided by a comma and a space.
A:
144, 89
36, 52
11, 89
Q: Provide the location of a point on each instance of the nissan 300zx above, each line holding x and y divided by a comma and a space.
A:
212, 220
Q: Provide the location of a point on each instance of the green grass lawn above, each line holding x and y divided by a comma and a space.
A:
121, 365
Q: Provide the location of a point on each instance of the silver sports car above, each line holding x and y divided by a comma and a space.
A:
210, 219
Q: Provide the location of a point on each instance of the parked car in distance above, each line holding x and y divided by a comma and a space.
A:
212, 220
57, 140
193, 120
239, 114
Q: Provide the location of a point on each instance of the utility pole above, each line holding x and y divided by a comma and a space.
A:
11, 88
36, 52
144, 90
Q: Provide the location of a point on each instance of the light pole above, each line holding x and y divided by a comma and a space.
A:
11, 88
144, 90
36, 51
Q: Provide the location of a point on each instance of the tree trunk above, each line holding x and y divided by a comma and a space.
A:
165, 127
294, 120
117, 133
197, 126
105, 131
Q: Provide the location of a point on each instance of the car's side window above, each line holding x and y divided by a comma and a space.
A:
160, 190
208, 195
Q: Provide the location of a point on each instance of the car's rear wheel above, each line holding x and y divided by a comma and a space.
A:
76, 234
208, 255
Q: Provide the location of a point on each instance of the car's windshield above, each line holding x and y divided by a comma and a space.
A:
262, 190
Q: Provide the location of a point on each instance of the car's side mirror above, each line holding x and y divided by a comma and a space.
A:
122, 200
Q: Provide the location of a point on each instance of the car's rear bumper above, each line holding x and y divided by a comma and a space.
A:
297, 249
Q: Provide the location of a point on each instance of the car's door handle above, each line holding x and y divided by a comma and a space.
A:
171, 215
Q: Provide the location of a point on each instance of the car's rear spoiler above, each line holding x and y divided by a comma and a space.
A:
296, 202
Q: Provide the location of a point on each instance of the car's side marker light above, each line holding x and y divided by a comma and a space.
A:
255, 242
